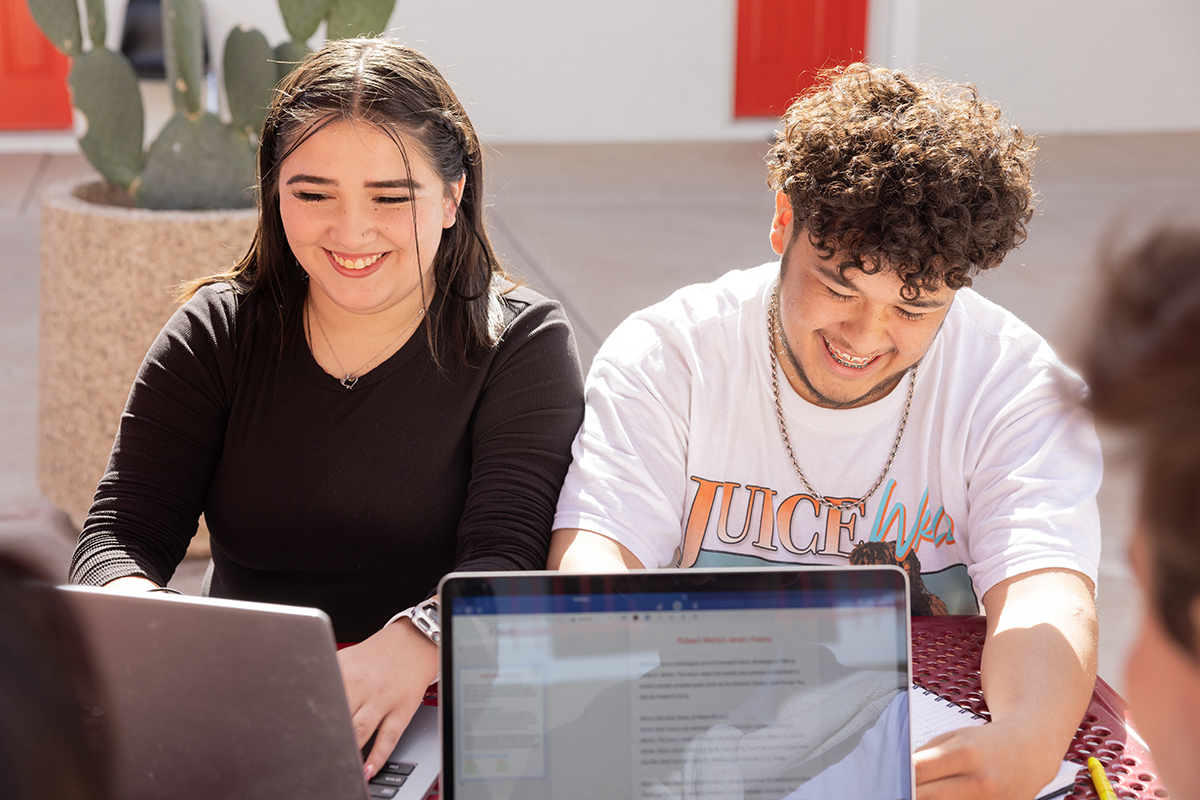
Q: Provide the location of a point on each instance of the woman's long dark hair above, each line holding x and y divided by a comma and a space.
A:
399, 91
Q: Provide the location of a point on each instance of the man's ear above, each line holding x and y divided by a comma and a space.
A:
781, 224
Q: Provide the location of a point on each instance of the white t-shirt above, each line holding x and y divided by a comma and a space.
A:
680, 457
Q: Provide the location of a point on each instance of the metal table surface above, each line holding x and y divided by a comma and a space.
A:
946, 657
947, 652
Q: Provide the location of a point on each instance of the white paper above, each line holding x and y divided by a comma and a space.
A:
933, 715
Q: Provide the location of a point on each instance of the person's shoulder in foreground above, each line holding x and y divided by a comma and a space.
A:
1143, 368
858, 403
52, 744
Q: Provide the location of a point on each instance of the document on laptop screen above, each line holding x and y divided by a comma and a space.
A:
680, 695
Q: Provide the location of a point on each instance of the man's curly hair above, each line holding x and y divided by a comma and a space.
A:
890, 172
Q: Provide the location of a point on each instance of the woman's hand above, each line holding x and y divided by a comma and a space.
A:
132, 584
385, 678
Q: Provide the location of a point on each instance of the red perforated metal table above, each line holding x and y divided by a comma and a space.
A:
946, 657
947, 652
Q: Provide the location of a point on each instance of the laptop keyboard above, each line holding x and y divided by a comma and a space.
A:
390, 779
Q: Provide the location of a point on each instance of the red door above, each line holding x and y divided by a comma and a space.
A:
782, 43
33, 75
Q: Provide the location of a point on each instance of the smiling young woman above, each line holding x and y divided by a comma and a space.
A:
362, 404
358, 215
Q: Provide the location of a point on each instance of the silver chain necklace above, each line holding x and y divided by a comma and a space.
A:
775, 329
352, 378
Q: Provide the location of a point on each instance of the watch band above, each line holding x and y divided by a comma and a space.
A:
425, 616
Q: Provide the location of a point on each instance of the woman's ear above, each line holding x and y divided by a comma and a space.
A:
454, 193
1194, 616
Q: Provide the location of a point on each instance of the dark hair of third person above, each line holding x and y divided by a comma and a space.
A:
397, 90
54, 739
1143, 369
891, 172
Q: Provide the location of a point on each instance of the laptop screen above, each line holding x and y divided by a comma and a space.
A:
677, 684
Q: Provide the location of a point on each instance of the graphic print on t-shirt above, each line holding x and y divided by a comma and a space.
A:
771, 532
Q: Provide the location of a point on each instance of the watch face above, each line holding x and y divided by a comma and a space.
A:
425, 617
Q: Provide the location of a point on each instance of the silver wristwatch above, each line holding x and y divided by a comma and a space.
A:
426, 617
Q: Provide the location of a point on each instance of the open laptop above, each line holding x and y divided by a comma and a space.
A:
751, 683
210, 698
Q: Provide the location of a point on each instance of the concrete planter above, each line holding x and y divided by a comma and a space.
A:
108, 278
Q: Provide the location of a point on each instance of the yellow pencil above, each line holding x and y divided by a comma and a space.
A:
1103, 787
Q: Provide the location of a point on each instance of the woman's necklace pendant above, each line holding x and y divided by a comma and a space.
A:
349, 381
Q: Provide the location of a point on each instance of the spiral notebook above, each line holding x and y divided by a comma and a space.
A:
933, 715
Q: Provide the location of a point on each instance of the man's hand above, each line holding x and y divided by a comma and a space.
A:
1039, 671
385, 678
976, 762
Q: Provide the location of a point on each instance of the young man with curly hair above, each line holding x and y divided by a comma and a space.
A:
858, 391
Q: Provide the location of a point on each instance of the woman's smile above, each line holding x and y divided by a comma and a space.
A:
356, 263
364, 218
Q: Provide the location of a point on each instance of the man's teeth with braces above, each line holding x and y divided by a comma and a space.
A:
361, 263
854, 362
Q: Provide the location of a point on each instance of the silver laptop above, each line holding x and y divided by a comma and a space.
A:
210, 698
673, 684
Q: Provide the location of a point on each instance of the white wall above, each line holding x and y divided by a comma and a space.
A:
581, 70
114, 18
646, 70
1057, 66
568, 70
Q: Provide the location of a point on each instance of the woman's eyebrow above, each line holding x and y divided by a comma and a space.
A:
302, 178
399, 183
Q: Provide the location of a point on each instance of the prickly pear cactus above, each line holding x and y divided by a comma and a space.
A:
343, 18
197, 161
59, 20
105, 89
183, 45
97, 21
302, 17
350, 18
288, 56
250, 58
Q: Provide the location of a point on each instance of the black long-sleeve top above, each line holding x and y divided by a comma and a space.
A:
353, 501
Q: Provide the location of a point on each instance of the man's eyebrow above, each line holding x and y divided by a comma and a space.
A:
919, 303
835, 275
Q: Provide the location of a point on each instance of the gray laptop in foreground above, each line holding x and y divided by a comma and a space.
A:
212, 699
677, 685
